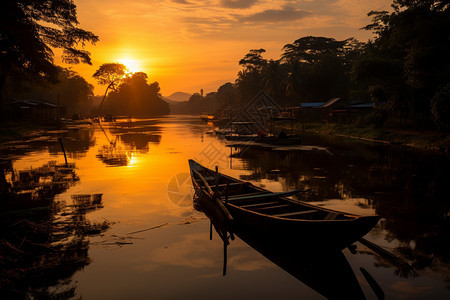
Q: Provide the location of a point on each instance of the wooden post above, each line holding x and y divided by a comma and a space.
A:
225, 245
64, 151
210, 230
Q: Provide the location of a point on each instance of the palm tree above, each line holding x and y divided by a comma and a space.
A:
272, 74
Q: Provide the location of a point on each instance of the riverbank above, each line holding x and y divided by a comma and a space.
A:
422, 139
14, 131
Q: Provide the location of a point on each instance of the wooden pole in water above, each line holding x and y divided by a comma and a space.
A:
64, 151
225, 245
210, 230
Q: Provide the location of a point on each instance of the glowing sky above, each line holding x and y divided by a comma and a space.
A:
188, 45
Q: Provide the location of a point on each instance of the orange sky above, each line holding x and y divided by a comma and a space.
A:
188, 45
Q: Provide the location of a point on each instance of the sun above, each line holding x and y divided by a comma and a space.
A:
132, 65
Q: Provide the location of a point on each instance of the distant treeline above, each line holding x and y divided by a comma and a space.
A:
69, 90
405, 70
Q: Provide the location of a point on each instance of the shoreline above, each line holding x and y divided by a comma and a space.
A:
420, 139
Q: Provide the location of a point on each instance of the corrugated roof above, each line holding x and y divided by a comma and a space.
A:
362, 105
35, 103
331, 102
312, 104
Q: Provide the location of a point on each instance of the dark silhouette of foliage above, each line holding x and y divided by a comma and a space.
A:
135, 97
253, 59
71, 91
29, 29
440, 108
310, 48
111, 75
416, 37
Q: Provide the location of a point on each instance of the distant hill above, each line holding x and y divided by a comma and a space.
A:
178, 96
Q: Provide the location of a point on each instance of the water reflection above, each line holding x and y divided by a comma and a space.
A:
113, 155
407, 189
25, 189
43, 248
139, 141
43, 239
326, 272
330, 275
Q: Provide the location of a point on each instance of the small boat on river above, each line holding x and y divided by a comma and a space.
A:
233, 205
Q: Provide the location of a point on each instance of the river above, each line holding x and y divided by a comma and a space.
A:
120, 222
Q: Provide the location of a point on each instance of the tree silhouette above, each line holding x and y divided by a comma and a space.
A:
310, 48
110, 74
136, 97
29, 29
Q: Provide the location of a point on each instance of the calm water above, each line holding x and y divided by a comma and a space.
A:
123, 224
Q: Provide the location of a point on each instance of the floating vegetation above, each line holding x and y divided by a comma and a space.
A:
43, 242
40, 249
113, 156
36, 187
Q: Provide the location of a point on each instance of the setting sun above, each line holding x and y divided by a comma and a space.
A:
132, 65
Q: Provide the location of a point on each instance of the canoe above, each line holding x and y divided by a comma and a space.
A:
233, 205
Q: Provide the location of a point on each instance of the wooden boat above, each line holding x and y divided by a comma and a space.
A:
232, 205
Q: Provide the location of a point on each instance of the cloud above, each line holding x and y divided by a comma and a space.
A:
238, 3
286, 14
181, 1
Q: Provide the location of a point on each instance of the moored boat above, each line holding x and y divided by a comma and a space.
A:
233, 205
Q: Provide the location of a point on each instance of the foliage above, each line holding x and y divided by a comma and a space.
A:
440, 107
110, 74
29, 29
311, 68
71, 91
413, 42
135, 97
310, 49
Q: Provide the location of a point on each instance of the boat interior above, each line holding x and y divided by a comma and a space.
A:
249, 197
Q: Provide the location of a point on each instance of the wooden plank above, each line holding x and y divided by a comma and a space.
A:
231, 184
296, 213
259, 204
331, 216
244, 196
205, 183
270, 207
264, 195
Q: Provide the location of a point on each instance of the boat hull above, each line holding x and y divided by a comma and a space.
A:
316, 233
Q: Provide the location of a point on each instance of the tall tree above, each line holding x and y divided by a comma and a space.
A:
111, 75
250, 81
29, 29
416, 35
273, 74
135, 97
309, 49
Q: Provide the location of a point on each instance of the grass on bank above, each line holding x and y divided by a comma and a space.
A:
426, 139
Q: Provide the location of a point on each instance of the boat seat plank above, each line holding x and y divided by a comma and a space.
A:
296, 213
259, 204
331, 216
231, 184
271, 207
243, 196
